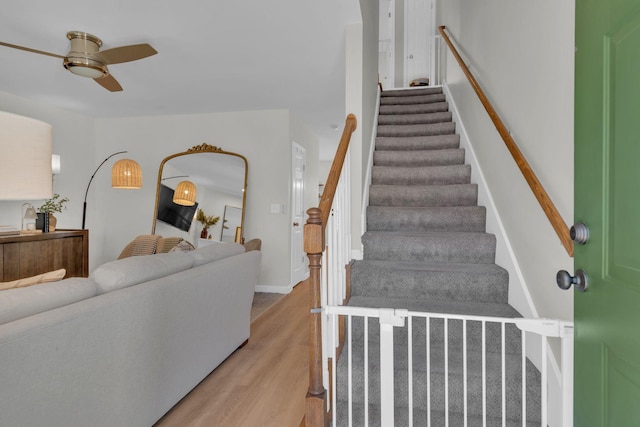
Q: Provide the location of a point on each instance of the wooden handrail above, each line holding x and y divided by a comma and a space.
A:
314, 246
558, 224
326, 200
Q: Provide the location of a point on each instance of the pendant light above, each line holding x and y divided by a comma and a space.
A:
126, 173
185, 194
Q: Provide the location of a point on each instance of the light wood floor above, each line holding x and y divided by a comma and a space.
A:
262, 384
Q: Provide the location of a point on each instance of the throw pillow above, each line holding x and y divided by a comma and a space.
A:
183, 246
51, 276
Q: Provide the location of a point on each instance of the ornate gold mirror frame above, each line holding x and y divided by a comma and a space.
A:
205, 171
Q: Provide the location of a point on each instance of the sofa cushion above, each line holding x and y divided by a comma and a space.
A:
50, 276
22, 302
137, 269
215, 252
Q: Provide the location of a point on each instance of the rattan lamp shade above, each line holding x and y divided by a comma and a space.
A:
185, 194
126, 173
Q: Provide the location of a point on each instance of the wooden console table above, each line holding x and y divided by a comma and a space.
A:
30, 254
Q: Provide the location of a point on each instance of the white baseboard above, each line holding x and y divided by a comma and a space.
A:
274, 289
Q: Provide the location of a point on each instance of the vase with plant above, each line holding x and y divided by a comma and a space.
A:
206, 221
54, 204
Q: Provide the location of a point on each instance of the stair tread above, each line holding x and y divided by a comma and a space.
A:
503, 310
412, 91
423, 195
417, 99
429, 234
421, 175
432, 266
433, 218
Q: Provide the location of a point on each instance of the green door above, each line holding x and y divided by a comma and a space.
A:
607, 199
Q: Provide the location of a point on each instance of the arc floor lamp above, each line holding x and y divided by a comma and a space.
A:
125, 173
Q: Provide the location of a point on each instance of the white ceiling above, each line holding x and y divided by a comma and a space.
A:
212, 56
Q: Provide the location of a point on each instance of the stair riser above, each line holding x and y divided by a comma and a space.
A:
412, 119
436, 285
420, 143
434, 175
418, 158
426, 219
446, 195
475, 248
417, 130
414, 108
405, 100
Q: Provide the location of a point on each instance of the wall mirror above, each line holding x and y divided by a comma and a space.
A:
219, 181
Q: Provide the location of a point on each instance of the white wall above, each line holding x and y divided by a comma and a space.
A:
261, 136
522, 55
354, 76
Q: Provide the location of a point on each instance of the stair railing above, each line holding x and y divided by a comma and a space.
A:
327, 242
550, 210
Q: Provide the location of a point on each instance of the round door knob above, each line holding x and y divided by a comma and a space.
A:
579, 233
580, 280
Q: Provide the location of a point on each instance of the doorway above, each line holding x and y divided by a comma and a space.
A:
299, 268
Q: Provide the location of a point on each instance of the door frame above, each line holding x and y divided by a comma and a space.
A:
297, 232
430, 42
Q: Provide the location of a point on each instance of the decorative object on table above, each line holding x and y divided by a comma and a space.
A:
54, 204
25, 163
30, 213
185, 194
125, 174
206, 221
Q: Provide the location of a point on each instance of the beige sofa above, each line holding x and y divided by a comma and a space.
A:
123, 346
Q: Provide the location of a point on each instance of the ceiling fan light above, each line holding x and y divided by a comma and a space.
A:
85, 67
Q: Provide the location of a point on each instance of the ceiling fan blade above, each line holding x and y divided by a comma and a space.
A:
109, 83
121, 54
28, 49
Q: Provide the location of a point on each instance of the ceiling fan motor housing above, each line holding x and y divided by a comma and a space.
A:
80, 59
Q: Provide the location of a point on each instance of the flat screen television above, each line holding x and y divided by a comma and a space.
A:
175, 215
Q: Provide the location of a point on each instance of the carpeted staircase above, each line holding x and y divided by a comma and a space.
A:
426, 249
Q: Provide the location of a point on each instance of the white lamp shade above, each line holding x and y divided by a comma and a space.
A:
55, 164
25, 158
185, 194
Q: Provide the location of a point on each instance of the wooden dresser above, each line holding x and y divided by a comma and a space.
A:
27, 255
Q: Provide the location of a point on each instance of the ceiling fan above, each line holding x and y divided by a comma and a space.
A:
85, 59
